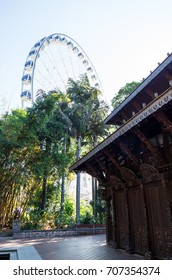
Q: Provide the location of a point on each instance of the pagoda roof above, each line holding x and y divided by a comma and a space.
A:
157, 81
163, 99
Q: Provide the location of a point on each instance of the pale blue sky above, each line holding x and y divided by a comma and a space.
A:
124, 39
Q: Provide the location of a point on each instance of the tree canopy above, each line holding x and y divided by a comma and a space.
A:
38, 144
123, 93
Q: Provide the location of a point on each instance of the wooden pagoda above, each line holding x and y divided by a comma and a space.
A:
134, 165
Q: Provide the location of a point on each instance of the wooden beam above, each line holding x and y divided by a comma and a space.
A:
102, 166
130, 155
165, 122
167, 75
146, 141
136, 105
150, 93
112, 159
99, 175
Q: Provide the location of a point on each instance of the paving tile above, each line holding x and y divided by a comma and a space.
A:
92, 247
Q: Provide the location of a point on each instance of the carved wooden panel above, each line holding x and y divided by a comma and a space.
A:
147, 170
138, 221
109, 225
116, 182
127, 174
160, 230
121, 220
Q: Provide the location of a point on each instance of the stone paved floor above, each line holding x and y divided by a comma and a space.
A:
92, 247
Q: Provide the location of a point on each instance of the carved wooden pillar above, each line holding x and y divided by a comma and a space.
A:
167, 183
129, 247
109, 235
168, 186
146, 239
129, 177
147, 171
113, 218
115, 183
157, 188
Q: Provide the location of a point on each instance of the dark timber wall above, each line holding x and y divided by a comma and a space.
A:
140, 216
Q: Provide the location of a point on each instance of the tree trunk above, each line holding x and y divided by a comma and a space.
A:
63, 182
44, 193
94, 186
95, 197
78, 181
62, 192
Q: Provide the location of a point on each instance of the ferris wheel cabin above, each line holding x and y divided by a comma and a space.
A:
26, 96
26, 79
28, 65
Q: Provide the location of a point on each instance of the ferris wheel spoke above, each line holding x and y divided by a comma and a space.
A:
46, 79
42, 85
56, 67
72, 64
52, 69
49, 72
62, 60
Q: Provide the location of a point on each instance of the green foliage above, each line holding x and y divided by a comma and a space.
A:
31, 155
123, 93
53, 217
37, 146
66, 217
85, 111
86, 213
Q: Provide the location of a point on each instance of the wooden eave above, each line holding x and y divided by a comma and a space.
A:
98, 154
157, 82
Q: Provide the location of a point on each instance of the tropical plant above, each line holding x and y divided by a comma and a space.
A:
86, 113
31, 154
37, 146
123, 93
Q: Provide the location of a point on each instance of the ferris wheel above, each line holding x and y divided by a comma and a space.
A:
51, 62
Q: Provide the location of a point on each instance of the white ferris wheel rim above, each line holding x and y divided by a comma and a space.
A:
28, 78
